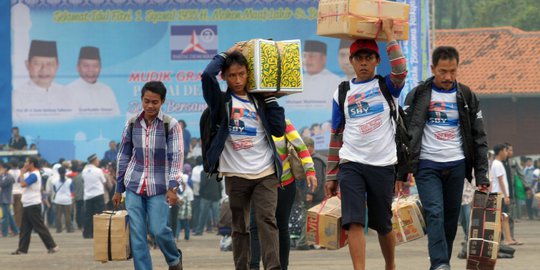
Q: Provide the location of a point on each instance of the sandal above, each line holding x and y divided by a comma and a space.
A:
515, 243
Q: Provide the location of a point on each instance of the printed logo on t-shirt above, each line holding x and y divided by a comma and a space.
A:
242, 144
237, 125
359, 106
371, 125
446, 135
443, 114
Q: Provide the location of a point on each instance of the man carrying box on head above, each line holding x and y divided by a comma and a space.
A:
244, 153
363, 151
448, 141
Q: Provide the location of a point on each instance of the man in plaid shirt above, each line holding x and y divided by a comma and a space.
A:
149, 172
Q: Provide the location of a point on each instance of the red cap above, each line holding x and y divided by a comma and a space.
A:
364, 44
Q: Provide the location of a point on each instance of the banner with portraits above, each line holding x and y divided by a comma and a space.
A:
78, 66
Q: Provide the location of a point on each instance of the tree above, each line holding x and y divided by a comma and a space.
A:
453, 14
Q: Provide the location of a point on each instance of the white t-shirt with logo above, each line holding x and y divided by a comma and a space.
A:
246, 150
441, 141
369, 135
497, 169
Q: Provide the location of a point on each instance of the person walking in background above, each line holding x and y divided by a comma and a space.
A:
15, 171
184, 211
94, 201
310, 196
78, 192
30, 180
63, 200
6, 187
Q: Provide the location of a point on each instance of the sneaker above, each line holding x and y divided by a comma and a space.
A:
443, 267
53, 250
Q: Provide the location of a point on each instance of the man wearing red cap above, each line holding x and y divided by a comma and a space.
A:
362, 151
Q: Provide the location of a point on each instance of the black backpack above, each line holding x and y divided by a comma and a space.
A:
396, 112
208, 132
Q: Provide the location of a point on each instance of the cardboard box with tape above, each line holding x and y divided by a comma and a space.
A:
353, 19
324, 225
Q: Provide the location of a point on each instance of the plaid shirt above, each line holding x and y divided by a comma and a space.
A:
147, 163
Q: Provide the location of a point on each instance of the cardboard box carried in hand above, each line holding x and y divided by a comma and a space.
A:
274, 62
407, 220
324, 225
347, 19
111, 236
484, 231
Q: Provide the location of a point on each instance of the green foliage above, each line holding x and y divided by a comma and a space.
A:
523, 14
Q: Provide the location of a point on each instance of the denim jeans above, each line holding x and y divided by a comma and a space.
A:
207, 208
152, 213
464, 219
8, 221
183, 224
440, 193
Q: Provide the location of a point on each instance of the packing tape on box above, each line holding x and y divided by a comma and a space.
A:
397, 22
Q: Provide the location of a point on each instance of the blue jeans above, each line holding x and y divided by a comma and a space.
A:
440, 193
151, 212
183, 224
206, 209
8, 221
464, 219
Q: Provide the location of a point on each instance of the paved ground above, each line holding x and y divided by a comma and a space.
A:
202, 252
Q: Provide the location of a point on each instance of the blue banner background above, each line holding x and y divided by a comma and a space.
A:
137, 46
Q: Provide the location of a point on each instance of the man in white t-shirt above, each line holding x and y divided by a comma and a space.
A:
362, 153
499, 184
94, 202
245, 153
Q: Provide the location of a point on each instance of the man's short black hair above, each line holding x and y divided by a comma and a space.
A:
34, 161
15, 128
155, 87
183, 123
528, 159
235, 57
444, 53
498, 148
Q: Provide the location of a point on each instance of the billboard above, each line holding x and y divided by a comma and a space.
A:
78, 66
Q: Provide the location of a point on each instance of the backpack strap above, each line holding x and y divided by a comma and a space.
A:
387, 96
343, 88
166, 122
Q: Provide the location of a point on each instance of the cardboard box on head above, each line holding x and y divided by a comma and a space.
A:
358, 19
